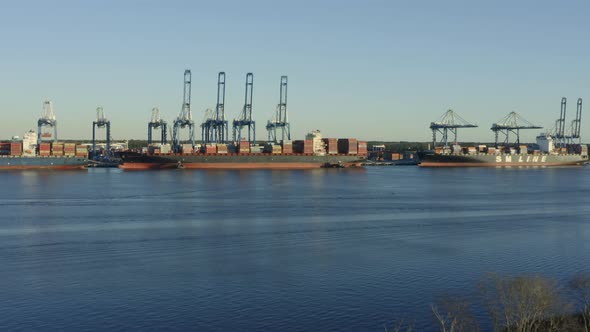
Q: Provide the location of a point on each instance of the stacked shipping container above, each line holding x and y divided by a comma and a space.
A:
69, 149
244, 147
287, 147
362, 148
16, 148
303, 146
81, 151
348, 146
4, 148
45, 149
331, 145
57, 149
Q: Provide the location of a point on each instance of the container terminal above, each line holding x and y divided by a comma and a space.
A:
216, 149
241, 150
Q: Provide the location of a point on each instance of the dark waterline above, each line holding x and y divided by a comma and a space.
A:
275, 250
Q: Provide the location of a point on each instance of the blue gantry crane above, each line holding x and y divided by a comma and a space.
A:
559, 134
184, 119
101, 122
245, 118
157, 123
574, 136
279, 125
214, 128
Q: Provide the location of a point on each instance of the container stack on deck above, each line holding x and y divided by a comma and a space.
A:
287, 147
303, 146
222, 149
244, 147
362, 148
348, 146
57, 149
45, 149
331, 145
16, 148
81, 151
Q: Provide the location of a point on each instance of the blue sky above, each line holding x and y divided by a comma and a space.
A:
369, 69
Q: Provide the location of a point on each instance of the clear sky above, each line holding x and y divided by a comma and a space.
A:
368, 69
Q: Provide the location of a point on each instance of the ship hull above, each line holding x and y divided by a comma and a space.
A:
237, 161
36, 162
504, 160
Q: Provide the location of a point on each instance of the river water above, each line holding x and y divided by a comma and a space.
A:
322, 250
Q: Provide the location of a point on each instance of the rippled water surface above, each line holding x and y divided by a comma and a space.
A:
275, 250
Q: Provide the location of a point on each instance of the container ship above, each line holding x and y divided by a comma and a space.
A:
483, 156
27, 154
313, 152
551, 149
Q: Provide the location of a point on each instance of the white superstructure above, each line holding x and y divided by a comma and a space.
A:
545, 142
29, 143
319, 148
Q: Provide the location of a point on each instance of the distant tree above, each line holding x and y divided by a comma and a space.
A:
400, 326
522, 303
453, 314
580, 285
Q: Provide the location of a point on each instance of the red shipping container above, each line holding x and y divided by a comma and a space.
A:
287, 148
331, 145
45, 146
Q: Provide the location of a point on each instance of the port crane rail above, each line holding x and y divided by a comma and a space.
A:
512, 123
47, 119
101, 122
245, 118
280, 121
449, 122
157, 123
184, 119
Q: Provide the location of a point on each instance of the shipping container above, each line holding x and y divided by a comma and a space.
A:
185, 148
16, 148
347, 146
256, 149
331, 145
222, 149
287, 148
210, 149
362, 148
398, 156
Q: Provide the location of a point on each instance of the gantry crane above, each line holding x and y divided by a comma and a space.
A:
214, 128
101, 122
184, 119
245, 118
449, 122
559, 135
157, 123
47, 119
512, 123
574, 137
280, 121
